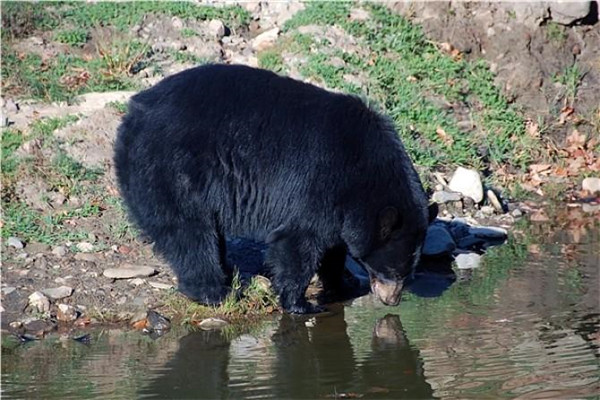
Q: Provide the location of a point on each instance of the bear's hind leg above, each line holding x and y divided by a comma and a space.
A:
293, 262
195, 254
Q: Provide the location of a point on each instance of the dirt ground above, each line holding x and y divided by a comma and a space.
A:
515, 39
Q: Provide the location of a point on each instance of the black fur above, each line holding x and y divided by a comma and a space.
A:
233, 151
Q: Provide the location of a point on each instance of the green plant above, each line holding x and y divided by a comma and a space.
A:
187, 32
571, 79
272, 60
73, 37
556, 32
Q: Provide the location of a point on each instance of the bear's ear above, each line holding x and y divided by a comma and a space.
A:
433, 212
388, 218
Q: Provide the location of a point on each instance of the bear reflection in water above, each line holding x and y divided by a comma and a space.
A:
304, 358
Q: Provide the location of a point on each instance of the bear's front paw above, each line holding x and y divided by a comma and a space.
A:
209, 295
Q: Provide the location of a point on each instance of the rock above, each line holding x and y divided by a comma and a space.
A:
494, 201
127, 271
265, 39
438, 241
40, 302
591, 185
487, 210
539, 216
216, 28
262, 282
467, 182
137, 282
86, 257
467, 260
590, 208
157, 322
212, 323
59, 251
15, 242
8, 290
443, 196
359, 14
159, 285
516, 213
66, 313
139, 316
38, 327
566, 12
59, 292
85, 247
177, 23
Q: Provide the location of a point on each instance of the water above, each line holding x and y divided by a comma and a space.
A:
524, 325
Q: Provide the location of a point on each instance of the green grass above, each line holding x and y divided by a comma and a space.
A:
411, 80
570, 78
73, 37
272, 60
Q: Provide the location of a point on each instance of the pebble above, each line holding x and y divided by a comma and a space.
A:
137, 282
40, 302
265, 39
212, 323
8, 290
159, 285
216, 28
516, 213
86, 257
467, 260
58, 293
127, 271
494, 201
467, 182
66, 313
487, 210
443, 196
15, 242
591, 185
438, 241
177, 23
157, 322
85, 247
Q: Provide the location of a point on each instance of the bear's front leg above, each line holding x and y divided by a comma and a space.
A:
293, 261
196, 255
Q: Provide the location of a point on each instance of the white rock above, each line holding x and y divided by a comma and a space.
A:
468, 261
359, 14
568, 11
66, 313
442, 196
8, 290
159, 285
487, 210
177, 23
127, 271
212, 323
39, 301
216, 28
591, 185
15, 242
265, 39
59, 292
137, 282
59, 251
467, 182
85, 247
494, 201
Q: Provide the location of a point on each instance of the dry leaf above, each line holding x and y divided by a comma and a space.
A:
538, 168
444, 137
565, 113
139, 325
532, 128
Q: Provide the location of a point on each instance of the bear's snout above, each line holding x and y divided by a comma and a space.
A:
389, 292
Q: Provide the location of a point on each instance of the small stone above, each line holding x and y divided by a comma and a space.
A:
359, 14
262, 282
438, 241
59, 292
85, 247
40, 302
591, 185
15, 242
212, 323
590, 208
516, 213
66, 313
137, 282
337, 62
177, 23
467, 182
86, 257
265, 39
494, 201
59, 251
216, 28
157, 322
539, 216
467, 260
39, 327
487, 210
127, 271
442, 196
8, 290
159, 285
566, 12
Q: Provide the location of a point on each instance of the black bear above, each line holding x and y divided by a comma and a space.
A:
231, 151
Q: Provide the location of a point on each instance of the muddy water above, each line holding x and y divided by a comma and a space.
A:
523, 325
